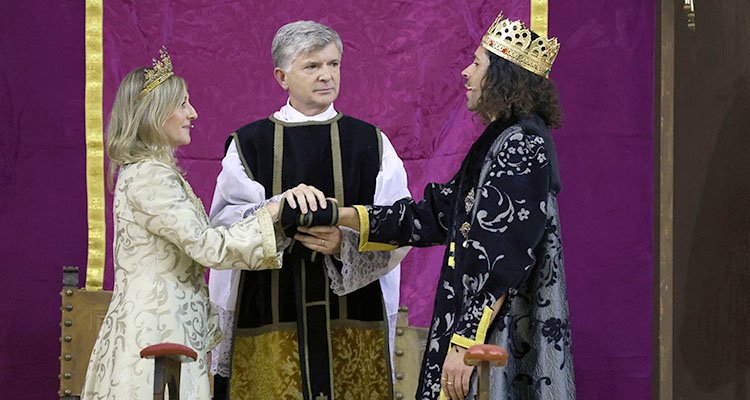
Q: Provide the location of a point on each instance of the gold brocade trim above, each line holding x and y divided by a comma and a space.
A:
484, 325
283, 326
267, 366
338, 175
540, 17
262, 330
278, 157
303, 295
360, 365
364, 233
328, 329
214, 340
267, 232
338, 188
94, 146
357, 324
343, 308
242, 155
275, 296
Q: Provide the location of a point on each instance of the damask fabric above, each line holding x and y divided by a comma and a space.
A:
501, 226
261, 373
236, 195
162, 237
280, 155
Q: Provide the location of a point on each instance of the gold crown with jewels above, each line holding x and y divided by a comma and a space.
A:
512, 41
159, 73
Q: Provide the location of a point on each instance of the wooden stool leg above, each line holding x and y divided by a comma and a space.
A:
483, 383
485, 356
168, 359
160, 380
166, 374
174, 368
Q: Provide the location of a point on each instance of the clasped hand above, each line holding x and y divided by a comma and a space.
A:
323, 239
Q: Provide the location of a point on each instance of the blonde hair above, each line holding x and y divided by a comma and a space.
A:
136, 123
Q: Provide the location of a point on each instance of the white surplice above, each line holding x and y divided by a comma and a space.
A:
236, 196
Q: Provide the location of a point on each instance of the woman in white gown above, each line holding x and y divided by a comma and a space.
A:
162, 243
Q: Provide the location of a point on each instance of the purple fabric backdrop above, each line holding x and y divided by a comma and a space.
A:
401, 71
42, 185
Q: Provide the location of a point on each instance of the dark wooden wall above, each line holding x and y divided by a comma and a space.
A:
711, 342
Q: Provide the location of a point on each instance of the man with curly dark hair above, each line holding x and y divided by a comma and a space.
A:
502, 279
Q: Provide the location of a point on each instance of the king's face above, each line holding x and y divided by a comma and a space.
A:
312, 80
473, 76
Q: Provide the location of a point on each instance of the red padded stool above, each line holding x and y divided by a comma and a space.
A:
167, 365
484, 356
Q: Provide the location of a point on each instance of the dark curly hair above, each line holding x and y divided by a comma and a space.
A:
511, 92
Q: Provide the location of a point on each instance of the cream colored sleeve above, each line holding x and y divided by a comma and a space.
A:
163, 203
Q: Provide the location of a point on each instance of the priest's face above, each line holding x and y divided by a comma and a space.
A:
473, 76
312, 80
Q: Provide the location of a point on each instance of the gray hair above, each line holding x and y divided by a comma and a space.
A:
301, 37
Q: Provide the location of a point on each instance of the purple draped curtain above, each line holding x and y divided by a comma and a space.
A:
401, 71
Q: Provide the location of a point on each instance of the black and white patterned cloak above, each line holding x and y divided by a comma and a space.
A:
505, 197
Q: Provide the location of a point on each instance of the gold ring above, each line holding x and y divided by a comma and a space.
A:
449, 383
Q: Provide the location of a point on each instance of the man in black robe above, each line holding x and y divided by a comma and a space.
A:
291, 334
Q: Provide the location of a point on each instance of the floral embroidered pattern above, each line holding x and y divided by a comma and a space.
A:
162, 239
512, 248
262, 373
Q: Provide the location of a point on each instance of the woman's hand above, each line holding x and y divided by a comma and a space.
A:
275, 210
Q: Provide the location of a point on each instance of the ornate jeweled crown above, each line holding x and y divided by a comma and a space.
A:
512, 41
159, 73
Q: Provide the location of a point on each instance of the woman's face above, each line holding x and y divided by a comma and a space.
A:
177, 127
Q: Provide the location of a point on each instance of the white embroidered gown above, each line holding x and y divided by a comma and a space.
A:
162, 241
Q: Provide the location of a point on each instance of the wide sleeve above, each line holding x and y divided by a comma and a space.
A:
406, 222
391, 185
162, 205
510, 220
236, 194
352, 269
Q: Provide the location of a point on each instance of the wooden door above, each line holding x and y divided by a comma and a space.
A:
703, 201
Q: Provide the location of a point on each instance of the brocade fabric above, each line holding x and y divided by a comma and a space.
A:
502, 233
162, 241
266, 366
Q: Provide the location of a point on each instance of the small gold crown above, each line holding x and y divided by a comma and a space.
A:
512, 41
159, 73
